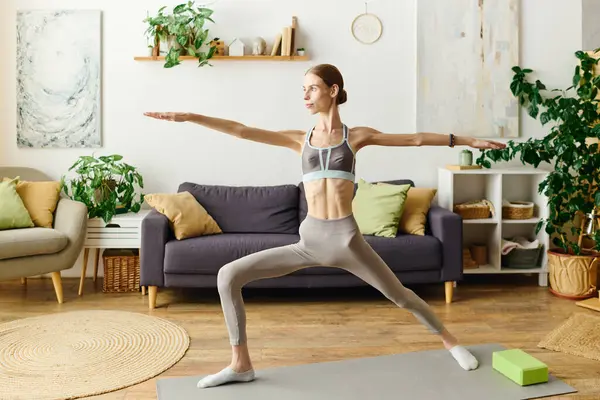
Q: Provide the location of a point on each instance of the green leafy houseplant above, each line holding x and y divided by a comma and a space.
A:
572, 186
573, 183
106, 185
186, 27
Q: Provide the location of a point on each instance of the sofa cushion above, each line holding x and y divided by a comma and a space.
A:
249, 209
13, 213
187, 217
31, 241
416, 208
408, 252
207, 254
378, 207
40, 199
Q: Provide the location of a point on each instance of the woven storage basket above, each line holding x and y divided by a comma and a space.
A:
522, 258
121, 270
472, 211
517, 210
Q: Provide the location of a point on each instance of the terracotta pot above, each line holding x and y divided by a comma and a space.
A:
572, 276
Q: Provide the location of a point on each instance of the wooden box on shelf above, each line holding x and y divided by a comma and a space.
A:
468, 262
220, 47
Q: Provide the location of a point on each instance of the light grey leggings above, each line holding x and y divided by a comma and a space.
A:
333, 243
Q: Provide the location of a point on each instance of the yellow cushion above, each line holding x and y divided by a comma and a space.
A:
416, 207
40, 200
187, 216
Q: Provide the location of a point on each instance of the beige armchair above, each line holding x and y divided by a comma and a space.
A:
36, 251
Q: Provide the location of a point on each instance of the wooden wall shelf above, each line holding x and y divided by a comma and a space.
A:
229, 58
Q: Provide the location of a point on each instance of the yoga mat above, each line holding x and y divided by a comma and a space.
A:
432, 374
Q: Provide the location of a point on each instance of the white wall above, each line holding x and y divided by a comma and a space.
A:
380, 81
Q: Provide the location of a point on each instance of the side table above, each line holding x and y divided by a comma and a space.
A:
124, 231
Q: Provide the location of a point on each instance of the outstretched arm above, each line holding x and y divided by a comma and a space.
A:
286, 138
372, 137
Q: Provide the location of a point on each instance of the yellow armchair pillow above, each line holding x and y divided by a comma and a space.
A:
40, 199
187, 216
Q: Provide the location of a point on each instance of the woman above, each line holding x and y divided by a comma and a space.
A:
329, 235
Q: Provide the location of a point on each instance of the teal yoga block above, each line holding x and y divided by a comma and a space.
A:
520, 367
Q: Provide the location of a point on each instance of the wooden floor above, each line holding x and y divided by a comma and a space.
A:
306, 326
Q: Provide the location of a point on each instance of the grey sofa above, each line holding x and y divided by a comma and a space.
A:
36, 251
255, 218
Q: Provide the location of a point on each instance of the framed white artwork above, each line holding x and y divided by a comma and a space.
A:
58, 78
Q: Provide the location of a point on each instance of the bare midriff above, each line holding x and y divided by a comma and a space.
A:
329, 198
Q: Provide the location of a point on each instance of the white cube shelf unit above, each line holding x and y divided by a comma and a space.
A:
496, 185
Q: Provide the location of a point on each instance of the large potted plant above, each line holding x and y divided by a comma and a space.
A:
184, 30
573, 184
106, 185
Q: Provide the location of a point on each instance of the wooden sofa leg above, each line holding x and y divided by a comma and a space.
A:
449, 286
57, 282
23, 281
152, 297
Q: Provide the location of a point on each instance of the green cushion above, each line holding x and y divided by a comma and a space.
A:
520, 367
378, 208
13, 213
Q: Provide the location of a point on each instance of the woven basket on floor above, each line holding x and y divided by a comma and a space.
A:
517, 210
121, 270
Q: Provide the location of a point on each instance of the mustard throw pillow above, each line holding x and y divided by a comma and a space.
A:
377, 208
187, 217
40, 199
13, 213
416, 207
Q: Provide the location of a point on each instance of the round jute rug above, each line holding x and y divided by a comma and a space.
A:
83, 353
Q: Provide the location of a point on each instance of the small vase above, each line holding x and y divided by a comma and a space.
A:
465, 158
300, 52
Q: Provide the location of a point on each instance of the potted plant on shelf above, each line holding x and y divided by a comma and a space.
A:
184, 32
572, 186
106, 185
300, 51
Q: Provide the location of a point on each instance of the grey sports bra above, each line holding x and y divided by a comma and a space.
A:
337, 161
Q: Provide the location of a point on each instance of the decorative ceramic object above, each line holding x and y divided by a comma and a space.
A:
259, 46
465, 157
236, 47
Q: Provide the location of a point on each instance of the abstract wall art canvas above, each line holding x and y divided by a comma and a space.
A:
465, 53
590, 27
58, 78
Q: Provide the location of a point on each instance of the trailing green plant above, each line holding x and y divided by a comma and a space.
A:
572, 185
106, 185
185, 26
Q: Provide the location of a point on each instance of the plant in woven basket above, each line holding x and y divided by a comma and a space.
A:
106, 185
571, 148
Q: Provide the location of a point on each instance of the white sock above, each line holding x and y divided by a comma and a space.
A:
224, 376
464, 357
